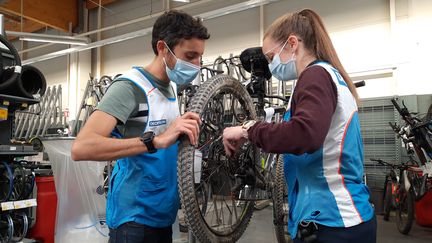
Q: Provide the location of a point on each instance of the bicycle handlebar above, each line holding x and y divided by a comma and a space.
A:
380, 161
396, 105
377, 160
279, 110
276, 97
360, 84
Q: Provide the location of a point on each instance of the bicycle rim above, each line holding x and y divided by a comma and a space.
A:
21, 224
213, 211
6, 228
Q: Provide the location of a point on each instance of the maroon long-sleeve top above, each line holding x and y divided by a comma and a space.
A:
312, 107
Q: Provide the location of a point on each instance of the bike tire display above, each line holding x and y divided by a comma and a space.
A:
280, 203
405, 210
216, 208
6, 228
21, 225
6, 182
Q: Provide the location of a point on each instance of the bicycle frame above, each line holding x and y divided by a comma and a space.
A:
415, 134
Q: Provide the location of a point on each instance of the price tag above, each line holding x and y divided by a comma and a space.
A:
25, 203
7, 206
3, 113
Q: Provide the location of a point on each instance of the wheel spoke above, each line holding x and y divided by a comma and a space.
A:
221, 102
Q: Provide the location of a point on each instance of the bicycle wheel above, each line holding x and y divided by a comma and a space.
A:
280, 203
404, 210
217, 207
21, 225
19, 182
265, 196
6, 182
29, 183
387, 199
6, 228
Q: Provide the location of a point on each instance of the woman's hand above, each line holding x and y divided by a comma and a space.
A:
232, 139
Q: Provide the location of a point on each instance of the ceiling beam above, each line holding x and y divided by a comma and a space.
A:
53, 13
91, 4
28, 26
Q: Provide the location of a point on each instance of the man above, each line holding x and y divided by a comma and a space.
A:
141, 108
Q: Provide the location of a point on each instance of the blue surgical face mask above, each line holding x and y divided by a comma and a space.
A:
183, 72
283, 71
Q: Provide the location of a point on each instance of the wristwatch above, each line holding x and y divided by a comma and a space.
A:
147, 139
245, 127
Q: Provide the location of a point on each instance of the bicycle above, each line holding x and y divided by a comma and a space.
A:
408, 182
231, 183
233, 66
399, 195
416, 136
219, 193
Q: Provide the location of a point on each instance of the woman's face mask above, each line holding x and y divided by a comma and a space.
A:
282, 71
183, 72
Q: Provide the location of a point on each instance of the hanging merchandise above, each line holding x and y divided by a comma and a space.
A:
16, 80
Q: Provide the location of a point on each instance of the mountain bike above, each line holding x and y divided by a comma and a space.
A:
416, 133
408, 182
218, 193
416, 136
399, 194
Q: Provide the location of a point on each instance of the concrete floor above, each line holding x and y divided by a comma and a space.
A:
260, 230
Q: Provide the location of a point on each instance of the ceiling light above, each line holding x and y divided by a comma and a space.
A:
208, 15
49, 38
234, 8
182, 1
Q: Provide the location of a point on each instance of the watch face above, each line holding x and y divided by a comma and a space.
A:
148, 136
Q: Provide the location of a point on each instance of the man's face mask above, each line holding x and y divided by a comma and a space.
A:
282, 71
183, 72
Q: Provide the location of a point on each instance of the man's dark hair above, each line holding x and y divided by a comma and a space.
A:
175, 25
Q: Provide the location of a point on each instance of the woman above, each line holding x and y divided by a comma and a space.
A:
320, 135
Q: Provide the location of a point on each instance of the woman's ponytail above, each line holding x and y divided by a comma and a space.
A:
322, 46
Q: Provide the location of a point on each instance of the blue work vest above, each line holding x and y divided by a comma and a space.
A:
327, 186
143, 188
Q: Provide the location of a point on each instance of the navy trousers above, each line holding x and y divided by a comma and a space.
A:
362, 233
132, 232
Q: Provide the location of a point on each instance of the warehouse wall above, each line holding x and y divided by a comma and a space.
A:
391, 55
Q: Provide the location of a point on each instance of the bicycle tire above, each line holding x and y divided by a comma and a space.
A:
280, 203
6, 227
19, 182
208, 91
6, 182
387, 201
29, 186
21, 225
405, 206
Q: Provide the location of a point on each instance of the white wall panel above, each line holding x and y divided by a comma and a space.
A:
232, 34
360, 29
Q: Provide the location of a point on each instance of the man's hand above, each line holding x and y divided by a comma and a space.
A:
186, 124
232, 139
